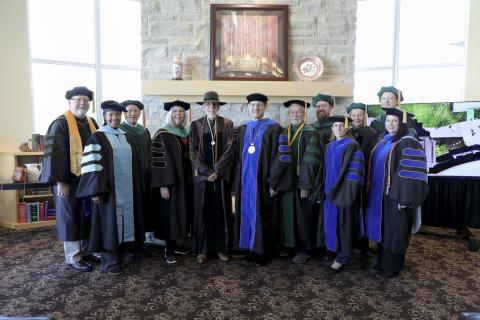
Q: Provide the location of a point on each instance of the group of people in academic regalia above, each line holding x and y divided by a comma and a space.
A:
329, 188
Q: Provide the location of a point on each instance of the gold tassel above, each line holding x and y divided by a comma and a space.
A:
306, 111
399, 95
346, 122
404, 116
93, 105
366, 115
334, 105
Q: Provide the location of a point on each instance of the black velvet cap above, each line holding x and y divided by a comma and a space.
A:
322, 97
79, 91
397, 113
391, 89
339, 118
257, 97
111, 105
126, 103
177, 103
356, 105
299, 102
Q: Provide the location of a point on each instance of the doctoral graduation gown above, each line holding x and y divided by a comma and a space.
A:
142, 142
296, 214
398, 176
112, 219
256, 174
367, 138
212, 220
324, 129
70, 223
344, 177
171, 168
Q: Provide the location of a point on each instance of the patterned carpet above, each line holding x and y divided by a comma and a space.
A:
442, 279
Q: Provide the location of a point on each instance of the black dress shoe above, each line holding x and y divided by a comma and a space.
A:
81, 266
376, 269
387, 274
93, 257
113, 271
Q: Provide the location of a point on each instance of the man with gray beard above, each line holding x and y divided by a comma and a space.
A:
62, 160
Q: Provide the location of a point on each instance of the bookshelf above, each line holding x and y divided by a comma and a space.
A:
12, 195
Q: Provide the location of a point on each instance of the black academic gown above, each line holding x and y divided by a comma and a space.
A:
344, 177
71, 223
104, 233
272, 173
212, 221
408, 187
367, 138
297, 216
142, 143
171, 168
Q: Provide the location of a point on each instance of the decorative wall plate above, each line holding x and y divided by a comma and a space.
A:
308, 67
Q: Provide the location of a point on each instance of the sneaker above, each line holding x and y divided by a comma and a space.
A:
301, 257
170, 258
224, 257
337, 266
150, 240
201, 259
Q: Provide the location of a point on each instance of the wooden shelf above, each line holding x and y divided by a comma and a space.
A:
23, 226
20, 153
236, 91
36, 196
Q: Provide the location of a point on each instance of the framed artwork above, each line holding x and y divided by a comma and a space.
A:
248, 42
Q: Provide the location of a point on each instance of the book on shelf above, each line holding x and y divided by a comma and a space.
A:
41, 215
22, 214
45, 211
34, 211
28, 211
51, 214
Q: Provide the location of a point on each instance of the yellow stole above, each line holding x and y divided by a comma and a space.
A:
76, 150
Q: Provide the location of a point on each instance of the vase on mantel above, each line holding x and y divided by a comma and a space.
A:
177, 68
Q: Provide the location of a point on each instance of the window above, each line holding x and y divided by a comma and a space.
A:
83, 42
418, 46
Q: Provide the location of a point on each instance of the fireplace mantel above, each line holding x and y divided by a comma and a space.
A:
235, 91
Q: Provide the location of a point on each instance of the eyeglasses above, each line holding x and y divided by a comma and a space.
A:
80, 100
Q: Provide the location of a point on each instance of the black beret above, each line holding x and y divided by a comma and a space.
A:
111, 105
322, 97
299, 102
177, 103
126, 103
79, 91
339, 118
257, 97
356, 105
391, 89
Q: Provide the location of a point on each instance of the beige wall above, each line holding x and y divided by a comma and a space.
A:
15, 75
472, 65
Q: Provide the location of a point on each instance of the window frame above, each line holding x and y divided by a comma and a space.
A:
97, 65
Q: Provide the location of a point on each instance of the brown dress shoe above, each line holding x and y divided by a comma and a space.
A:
224, 257
201, 258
